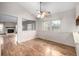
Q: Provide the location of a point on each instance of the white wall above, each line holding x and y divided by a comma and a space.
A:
9, 24
62, 36
68, 21
28, 35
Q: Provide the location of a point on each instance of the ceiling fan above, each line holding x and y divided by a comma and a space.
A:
42, 14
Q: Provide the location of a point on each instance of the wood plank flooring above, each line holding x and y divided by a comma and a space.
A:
37, 47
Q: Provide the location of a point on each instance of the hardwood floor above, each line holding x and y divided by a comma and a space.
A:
37, 47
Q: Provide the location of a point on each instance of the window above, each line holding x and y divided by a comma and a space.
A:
55, 24
51, 25
46, 25
1, 28
29, 25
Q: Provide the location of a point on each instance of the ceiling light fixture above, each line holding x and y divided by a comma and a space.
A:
42, 14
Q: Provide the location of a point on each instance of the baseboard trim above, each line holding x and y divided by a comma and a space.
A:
55, 42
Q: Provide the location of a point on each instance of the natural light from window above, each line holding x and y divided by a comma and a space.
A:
51, 25
1, 27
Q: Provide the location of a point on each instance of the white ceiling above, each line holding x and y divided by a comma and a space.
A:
31, 7
7, 18
34, 7
57, 6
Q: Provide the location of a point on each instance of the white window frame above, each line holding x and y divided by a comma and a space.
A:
48, 27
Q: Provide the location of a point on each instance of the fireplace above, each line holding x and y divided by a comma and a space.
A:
10, 31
